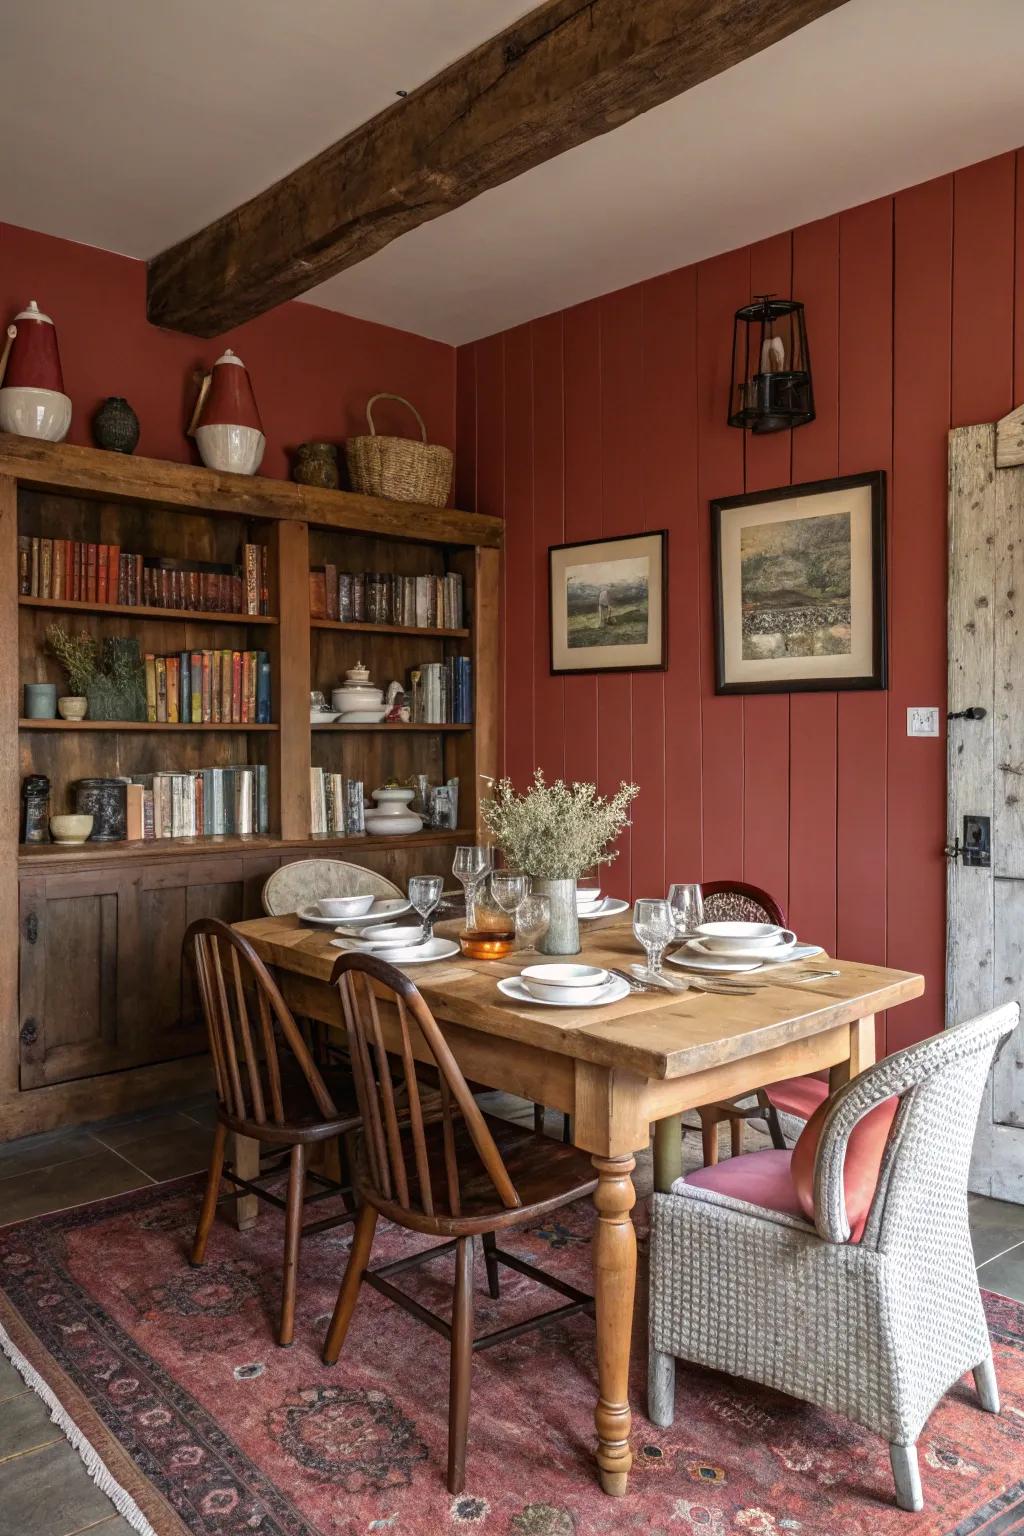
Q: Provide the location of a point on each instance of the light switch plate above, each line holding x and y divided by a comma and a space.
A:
922, 721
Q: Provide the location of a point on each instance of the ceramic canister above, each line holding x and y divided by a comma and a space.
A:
32, 398
226, 421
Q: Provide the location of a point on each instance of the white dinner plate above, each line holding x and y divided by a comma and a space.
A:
436, 949
384, 909
614, 992
692, 960
609, 907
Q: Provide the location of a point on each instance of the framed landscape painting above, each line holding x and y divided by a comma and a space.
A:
608, 608
799, 586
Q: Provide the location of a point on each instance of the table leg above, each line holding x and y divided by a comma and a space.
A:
246, 1159
614, 1287
862, 1053
668, 1152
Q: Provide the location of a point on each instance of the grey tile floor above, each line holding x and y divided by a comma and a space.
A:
44, 1489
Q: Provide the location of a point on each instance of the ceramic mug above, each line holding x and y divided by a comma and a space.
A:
40, 701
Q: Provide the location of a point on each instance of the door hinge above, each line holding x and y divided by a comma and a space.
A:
32, 927
29, 1032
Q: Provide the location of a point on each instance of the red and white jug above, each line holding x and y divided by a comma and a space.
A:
32, 398
226, 421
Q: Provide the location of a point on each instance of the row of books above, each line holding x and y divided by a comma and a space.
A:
208, 688
75, 571
336, 804
373, 597
441, 692
202, 802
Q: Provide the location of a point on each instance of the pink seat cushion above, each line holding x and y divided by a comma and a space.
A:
762, 1178
860, 1170
798, 1096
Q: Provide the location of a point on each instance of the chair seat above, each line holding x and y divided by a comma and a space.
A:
546, 1174
760, 1178
799, 1096
301, 1113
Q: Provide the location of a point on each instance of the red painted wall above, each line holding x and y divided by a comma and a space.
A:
610, 418
313, 370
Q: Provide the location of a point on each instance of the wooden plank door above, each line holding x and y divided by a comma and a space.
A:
985, 826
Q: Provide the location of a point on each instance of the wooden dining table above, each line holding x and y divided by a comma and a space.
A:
617, 1070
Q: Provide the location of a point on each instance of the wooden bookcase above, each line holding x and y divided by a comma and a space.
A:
97, 1016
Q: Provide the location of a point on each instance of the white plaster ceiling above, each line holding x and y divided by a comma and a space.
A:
129, 123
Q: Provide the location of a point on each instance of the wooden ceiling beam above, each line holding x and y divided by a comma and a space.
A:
563, 74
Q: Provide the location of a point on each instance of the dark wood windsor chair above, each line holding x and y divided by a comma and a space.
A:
269, 1088
460, 1174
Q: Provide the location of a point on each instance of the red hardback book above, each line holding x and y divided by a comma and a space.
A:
113, 567
249, 687
102, 556
90, 574
216, 694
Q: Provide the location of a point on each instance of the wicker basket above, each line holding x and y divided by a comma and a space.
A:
399, 467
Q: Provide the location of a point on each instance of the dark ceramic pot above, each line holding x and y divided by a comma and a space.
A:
317, 464
106, 801
116, 426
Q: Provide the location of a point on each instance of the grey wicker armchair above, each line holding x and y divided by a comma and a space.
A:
876, 1330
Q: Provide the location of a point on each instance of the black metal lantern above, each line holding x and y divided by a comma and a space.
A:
771, 367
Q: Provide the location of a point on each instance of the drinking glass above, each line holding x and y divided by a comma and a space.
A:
470, 866
687, 903
509, 890
654, 927
533, 917
425, 893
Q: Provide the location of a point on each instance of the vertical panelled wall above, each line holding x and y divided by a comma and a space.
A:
610, 418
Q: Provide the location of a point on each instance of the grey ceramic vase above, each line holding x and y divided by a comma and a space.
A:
563, 935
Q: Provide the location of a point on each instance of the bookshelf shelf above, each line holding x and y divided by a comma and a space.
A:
392, 728
134, 725
40, 856
423, 631
142, 611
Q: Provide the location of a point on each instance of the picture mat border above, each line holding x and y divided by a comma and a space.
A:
660, 630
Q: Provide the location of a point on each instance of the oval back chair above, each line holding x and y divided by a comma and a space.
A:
454, 1173
304, 881
269, 1089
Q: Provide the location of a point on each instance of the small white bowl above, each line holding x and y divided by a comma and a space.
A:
589, 896
722, 936
344, 906
396, 934
557, 983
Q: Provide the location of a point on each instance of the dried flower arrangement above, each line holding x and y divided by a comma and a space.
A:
77, 654
557, 831
112, 678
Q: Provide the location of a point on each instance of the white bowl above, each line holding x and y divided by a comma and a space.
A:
395, 934
344, 906
356, 697
580, 984
727, 936
589, 897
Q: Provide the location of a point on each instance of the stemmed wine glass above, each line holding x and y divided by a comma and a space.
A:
425, 893
509, 891
471, 865
687, 903
533, 918
654, 927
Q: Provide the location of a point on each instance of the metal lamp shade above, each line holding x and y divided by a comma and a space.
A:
771, 386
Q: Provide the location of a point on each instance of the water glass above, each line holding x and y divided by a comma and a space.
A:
509, 890
425, 893
653, 925
471, 865
533, 918
687, 903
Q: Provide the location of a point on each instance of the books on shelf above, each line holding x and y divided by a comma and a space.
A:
372, 597
71, 570
336, 804
199, 802
442, 692
208, 687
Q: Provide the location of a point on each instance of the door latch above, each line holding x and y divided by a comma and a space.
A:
32, 927
974, 713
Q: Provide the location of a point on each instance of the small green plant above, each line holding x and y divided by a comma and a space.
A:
557, 831
77, 654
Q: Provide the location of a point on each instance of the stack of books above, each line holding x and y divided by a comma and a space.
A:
208, 688
71, 570
336, 804
372, 597
202, 802
442, 692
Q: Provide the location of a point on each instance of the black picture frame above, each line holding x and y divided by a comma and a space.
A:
557, 551
878, 677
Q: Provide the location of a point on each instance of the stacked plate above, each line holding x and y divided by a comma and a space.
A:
399, 943
329, 911
740, 947
565, 986
591, 902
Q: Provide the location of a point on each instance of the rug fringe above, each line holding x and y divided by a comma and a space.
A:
93, 1462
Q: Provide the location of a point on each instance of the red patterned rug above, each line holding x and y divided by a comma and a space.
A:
172, 1377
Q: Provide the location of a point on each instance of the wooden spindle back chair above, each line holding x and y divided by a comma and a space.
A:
269, 1089
454, 1172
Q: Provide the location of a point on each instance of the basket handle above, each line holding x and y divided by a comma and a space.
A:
402, 401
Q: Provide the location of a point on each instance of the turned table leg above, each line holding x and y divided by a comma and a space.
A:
614, 1286
668, 1152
